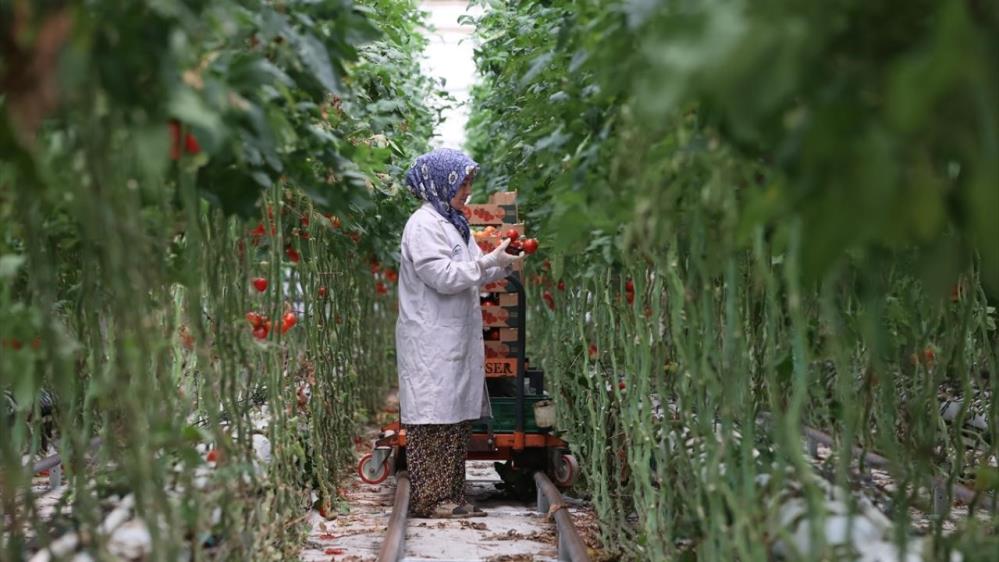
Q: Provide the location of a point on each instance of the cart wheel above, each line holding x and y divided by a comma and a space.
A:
565, 471
371, 472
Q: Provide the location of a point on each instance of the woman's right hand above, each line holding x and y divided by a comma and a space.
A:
498, 257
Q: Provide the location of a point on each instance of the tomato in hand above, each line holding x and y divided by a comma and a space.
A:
512, 234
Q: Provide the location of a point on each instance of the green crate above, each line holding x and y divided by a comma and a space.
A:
505, 415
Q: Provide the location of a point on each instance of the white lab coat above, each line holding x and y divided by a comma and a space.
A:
439, 349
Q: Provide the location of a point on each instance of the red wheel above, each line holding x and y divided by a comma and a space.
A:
372, 472
564, 473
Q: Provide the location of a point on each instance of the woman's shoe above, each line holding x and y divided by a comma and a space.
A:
474, 510
450, 510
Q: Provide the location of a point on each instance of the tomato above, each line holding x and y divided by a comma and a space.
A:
593, 352
515, 248
512, 234
630, 297
629, 286
391, 275
213, 456
288, 321
549, 300
380, 288
191, 145
304, 220
929, 355
561, 285
530, 245
260, 284
260, 332
254, 319
293, 254
322, 292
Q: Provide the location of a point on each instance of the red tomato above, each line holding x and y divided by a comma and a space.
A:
191, 145
213, 456
260, 284
322, 292
530, 245
260, 332
304, 220
630, 297
929, 355
512, 234
549, 299
254, 319
593, 352
380, 288
629, 285
288, 321
293, 254
561, 285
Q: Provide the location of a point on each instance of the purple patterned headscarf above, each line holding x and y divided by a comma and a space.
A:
436, 177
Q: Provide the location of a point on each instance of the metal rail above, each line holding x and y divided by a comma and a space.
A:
52, 463
570, 547
395, 536
962, 493
941, 485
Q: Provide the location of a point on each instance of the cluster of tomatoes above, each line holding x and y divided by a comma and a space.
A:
261, 325
382, 276
493, 315
483, 214
16, 344
492, 353
518, 246
484, 238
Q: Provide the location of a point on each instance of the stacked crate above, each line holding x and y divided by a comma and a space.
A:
499, 303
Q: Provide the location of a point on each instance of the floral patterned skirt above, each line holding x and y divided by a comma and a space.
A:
435, 458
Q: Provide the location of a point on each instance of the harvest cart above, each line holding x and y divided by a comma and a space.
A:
519, 432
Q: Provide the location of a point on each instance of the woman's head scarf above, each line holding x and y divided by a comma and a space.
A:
436, 177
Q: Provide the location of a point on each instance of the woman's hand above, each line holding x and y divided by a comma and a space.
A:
498, 257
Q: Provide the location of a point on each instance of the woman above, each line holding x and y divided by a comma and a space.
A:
440, 352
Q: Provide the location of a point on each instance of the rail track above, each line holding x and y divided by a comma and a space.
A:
571, 547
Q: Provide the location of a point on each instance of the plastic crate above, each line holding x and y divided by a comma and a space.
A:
505, 415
